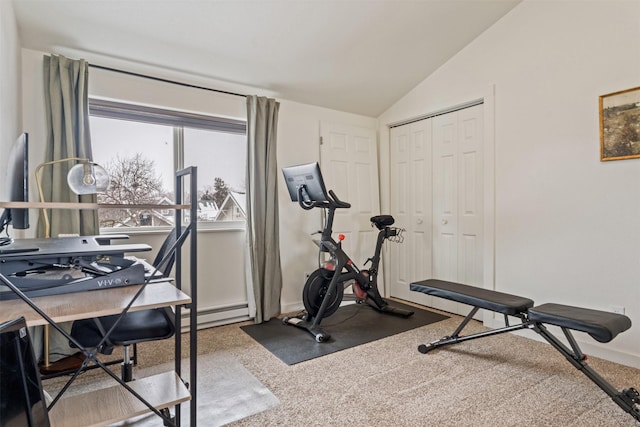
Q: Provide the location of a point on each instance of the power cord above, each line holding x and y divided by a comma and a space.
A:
4, 241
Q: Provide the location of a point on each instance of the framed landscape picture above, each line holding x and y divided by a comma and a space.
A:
620, 125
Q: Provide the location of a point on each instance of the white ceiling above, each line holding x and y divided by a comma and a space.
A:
358, 56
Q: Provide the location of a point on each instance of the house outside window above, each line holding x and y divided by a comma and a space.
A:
142, 147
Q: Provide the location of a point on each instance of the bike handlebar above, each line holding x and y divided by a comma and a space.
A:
331, 202
337, 202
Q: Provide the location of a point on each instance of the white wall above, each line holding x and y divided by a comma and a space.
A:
567, 226
10, 100
221, 272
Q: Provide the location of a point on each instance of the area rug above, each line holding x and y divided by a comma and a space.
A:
349, 326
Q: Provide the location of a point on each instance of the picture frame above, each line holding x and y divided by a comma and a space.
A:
620, 125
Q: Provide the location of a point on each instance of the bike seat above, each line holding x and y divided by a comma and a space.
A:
382, 221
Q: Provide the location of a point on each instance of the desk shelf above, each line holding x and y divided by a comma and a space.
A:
114, 404
100, 302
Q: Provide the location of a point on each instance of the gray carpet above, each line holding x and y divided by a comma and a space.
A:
350, 326
504, 380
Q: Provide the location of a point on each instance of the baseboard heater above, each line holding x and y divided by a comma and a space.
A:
216, 316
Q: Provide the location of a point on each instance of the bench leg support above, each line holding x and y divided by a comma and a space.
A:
455, 337
627, 399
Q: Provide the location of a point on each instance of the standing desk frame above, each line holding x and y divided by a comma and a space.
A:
138, 291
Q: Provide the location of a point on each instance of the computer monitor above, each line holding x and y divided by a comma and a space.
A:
22, 399
16, 180
309, 177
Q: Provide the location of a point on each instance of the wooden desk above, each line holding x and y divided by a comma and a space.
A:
101, 302
112, 404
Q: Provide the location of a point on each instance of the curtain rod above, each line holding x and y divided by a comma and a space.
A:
159, 79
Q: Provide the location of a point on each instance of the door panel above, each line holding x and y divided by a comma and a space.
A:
445, 203
400, 255
458, 200
471, 196
410, 157
349, 159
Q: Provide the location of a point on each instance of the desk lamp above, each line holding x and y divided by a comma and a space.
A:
86, 177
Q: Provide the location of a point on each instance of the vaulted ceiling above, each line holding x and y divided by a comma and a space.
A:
358, 56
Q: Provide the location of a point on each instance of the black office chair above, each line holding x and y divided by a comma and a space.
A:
135, 327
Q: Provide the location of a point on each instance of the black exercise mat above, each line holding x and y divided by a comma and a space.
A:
349, 326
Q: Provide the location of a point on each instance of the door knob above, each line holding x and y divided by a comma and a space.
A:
419, 221
445, 222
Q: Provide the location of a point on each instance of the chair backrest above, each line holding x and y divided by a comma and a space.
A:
169, 241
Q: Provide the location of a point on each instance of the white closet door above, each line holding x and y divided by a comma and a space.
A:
458, 200
411, 207
470, 197
437, 196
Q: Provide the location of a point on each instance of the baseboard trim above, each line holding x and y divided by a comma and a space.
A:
292, 307
216, 316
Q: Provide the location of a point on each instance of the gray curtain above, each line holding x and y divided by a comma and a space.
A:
262, 206
67, 115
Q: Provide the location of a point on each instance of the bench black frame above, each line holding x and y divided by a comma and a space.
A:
534, 318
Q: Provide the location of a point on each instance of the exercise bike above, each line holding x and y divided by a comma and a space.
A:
323, 291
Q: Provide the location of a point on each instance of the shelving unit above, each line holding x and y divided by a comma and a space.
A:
144, 395
114, 404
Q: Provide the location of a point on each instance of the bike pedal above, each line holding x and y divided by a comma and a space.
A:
359, 292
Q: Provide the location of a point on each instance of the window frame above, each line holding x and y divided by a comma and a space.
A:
178, 120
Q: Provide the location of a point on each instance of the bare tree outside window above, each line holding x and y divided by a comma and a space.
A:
133, 181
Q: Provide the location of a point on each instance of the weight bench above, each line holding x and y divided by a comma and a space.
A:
600, 325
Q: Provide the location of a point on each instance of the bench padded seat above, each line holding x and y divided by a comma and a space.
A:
601, 325
478, 297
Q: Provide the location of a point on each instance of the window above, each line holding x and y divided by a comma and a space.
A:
142, 147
